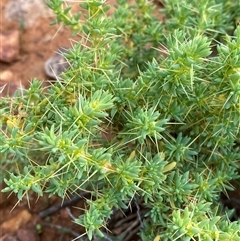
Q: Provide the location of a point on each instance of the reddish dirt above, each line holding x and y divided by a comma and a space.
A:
37, 44
33, 228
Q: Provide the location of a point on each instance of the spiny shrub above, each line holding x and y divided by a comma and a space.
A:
148, 111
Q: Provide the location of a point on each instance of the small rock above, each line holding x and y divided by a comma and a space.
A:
6, 75
9, 48
26, 235
13, 224
55, 65
26, 12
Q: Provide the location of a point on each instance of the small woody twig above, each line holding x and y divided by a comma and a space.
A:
55, 208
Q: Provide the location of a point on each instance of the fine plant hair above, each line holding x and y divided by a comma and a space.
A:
147, 114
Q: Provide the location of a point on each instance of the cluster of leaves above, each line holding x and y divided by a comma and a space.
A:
127, 121
209, 17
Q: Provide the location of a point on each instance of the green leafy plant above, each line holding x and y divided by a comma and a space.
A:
148, 111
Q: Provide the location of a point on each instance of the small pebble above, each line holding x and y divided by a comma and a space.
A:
19, 220
9, 47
